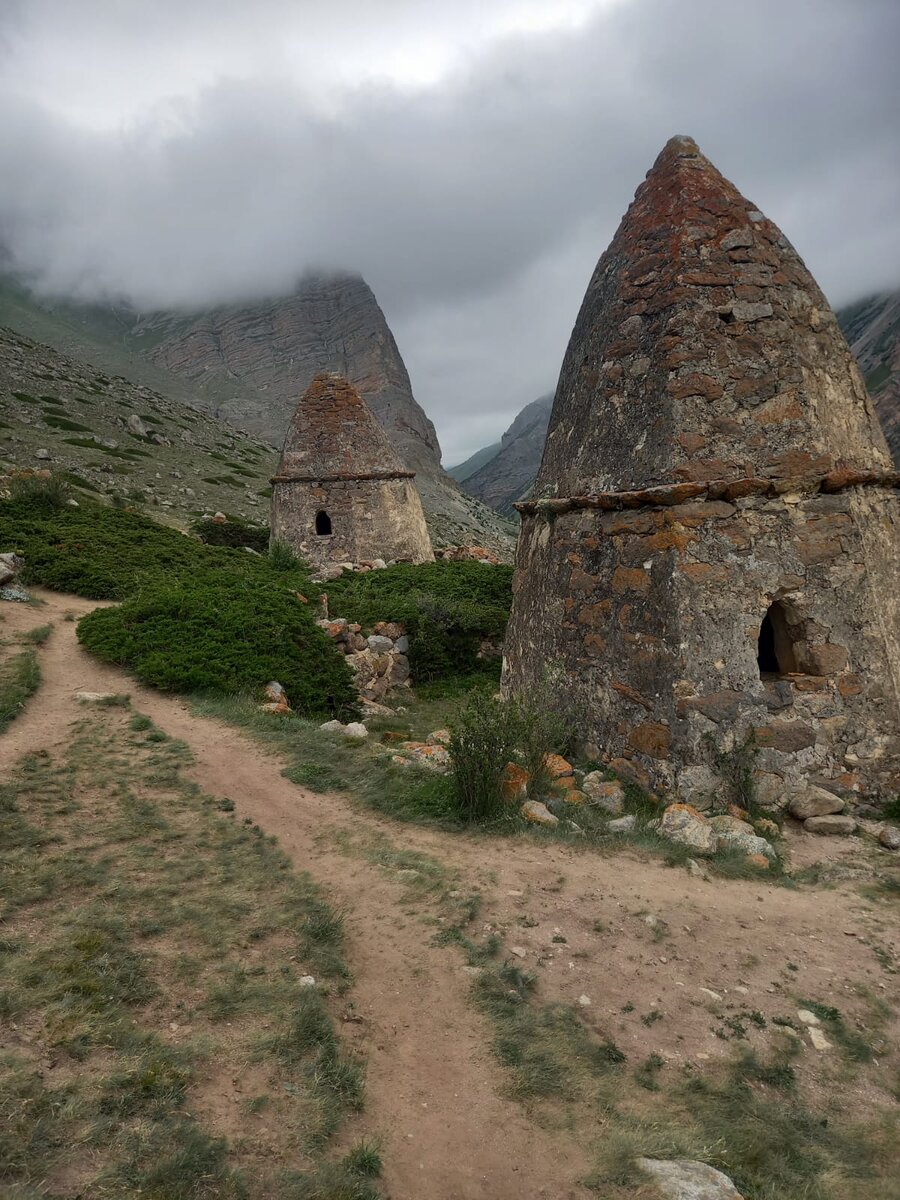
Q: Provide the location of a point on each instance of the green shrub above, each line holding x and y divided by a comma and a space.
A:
448, 609
483, 739
219, 633
59, 422
39, 492
282, 557
233, 532
107, 553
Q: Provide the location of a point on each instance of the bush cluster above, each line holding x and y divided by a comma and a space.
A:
234, 533
195, 617
448, 609
222, 633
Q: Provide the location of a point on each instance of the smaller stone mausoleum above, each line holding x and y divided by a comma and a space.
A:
713, 548
341, 494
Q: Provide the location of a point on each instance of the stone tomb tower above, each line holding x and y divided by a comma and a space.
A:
714, 542
341, 494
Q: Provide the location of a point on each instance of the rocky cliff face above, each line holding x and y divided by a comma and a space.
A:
509, 474
872, 327
249, 364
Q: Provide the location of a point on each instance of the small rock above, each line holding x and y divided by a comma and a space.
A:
356, 729
95, 697
584, 1001
379, 644
695, 870
805, 1017
307, 981
818, 1038
438, 737
831, 824
332, 727
711, 994
607, 794
557, 767
408, 873
889, 837
518, 951
814, 802
760, 861
42, 454
538, 813
136, 426
402, 645
622, 824
684, 1179
513, 781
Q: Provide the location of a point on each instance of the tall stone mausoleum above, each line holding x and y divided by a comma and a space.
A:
341, 494
713, 546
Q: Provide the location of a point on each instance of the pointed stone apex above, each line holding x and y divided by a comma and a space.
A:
682, 146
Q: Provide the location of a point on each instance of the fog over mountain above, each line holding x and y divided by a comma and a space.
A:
471, 165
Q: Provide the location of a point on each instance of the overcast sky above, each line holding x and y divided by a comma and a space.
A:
471, 158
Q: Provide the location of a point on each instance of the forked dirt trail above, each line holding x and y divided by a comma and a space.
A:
627, 936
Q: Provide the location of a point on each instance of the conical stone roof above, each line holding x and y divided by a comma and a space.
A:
703, 350
333, 435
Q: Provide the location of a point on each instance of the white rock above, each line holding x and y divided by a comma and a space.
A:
584, 1001
682, 824
332, 727
622, 824
818, 1038
538, 813
518, 951
95, 697
710, 993
356, 729
683, 1179
307, 981
806, 1017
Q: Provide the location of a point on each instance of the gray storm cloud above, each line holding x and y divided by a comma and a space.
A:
475, 205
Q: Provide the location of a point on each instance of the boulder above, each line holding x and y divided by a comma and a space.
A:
10, 566
684, 1179
735, 834
277, 697
436, 758
814, 802
683, 824
699, 786
830, 824
43, 454
379, 644
771, 792
356, 729
137, 426
889, 837
538, 813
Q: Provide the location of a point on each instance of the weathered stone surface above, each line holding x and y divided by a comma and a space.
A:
889, 837
10, 566
340, 492
538, 813
814, 802
557, 767
513, 781
607, 794
684, 1179
734, 834
622, 824
683, 824
833, 824
763, 599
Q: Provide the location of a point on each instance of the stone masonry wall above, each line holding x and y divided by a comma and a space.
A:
656, 612
370, 519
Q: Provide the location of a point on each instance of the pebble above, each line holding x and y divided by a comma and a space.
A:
584, 1001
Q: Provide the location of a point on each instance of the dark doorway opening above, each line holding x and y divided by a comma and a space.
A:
775, 648
323, 524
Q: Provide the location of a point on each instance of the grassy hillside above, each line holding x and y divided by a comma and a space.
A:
111, 437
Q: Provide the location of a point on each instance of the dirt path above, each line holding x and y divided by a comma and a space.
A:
626, 935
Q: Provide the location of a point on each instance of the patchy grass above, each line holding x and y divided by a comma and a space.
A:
164, 957
20, 677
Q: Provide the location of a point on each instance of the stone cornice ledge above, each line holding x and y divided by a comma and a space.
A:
666, 495
345, 477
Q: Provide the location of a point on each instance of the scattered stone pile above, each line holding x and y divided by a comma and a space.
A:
10, 589
467, 554
379, 662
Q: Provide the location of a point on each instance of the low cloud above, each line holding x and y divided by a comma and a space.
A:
475, 204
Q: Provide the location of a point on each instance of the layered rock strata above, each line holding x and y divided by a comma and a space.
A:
714, 544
